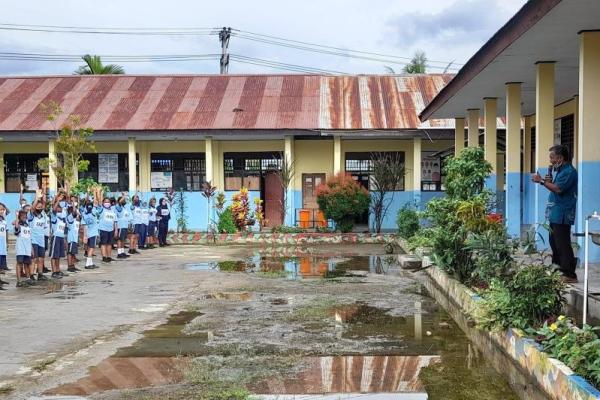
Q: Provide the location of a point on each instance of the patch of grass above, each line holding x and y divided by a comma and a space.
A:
41, 365
317, 310
272, 274
6, 389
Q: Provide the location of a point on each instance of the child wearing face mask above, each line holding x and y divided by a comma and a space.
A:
36, 219
57, 242
90, 221
23, 249
164, 214
123, 220
137, 221
107, 227
143, 235
73, 222
152, 224
3, 247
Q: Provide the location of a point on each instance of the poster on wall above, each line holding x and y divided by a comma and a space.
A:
31, 182
108, 168
161, 180
431, 167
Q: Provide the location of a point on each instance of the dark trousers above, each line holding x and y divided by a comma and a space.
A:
143, 233
562, 251
162, 233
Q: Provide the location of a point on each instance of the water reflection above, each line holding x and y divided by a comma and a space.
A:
305, 266
352, 374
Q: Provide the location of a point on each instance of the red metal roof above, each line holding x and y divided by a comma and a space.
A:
191, 102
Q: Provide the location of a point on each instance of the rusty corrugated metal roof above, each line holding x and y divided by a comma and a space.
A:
192, 102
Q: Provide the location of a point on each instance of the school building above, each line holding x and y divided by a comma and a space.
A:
541, 71
157, 132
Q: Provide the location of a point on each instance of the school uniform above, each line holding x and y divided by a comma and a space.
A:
91, 222
57, 242
123, 221
137, 219
23, 243
72, 235
37, 223
106, 224
152, 221
48, 231
3, 247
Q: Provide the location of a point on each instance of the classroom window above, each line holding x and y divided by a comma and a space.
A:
180, 171
22, 169
432, 179
247, 169
360, 167
109, 169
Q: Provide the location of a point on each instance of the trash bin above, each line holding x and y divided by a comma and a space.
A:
304, 218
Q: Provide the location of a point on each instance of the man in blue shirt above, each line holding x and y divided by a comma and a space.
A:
561, 181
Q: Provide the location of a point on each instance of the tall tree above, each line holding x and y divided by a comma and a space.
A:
94, 66
417, 65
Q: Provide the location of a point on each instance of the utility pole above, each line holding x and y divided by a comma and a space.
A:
224, 36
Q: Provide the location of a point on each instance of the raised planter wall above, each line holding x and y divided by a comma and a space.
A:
283, 239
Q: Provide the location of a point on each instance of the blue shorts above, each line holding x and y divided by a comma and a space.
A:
123, 234
57, 247
25, 260
106, 237
91, 242
3, 264
72, 248
139, 229
38, 251
152, 228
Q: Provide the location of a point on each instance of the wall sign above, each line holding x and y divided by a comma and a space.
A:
108, 168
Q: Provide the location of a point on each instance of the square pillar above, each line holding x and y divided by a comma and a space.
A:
52, 181
459, 135
288, 154
491, 140
144, 159
131, 162
513, 159
528, 195
338, 158
417, 146
544, 136
2, 181
575, 149
473, 121
208, 161
588, 157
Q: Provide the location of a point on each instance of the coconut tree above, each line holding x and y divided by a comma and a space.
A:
417, 65
94, 66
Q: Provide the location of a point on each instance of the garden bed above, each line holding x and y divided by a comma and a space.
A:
550, 375
283, 239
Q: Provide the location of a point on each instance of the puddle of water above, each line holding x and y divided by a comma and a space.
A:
305, 267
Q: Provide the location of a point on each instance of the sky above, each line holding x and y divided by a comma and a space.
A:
448, 31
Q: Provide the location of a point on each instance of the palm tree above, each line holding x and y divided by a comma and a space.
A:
417, 65
94, 66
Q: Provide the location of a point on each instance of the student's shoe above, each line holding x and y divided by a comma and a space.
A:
109, 259
45, 270
133, 251
71, 269
56, 275
121, 255
75, 269
93, 266
105, 259
22, 284
31, 282
568, 279
42, 277
3, 282
63, 273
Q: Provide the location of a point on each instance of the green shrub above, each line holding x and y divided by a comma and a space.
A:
408, 222
492, 254
529, 298
287, 229
226, 223
466, 173
422, 239
579, 349
342, 199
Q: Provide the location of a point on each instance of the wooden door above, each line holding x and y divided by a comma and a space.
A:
310, 182
273, 199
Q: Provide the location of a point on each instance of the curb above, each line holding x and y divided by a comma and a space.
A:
281, 239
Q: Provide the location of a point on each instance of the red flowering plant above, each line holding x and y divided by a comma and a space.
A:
240, 208
342, 199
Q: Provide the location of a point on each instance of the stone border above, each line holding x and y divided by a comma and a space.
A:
281, 239
556, 379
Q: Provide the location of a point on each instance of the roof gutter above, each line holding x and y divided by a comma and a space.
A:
529, 15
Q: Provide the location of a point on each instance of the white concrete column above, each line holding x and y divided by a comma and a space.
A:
52, 181
588, 196
459, 135
208, 160
131, 162
575, 149
513, 159
288, 154
490, 137
528, 195
473, 121
544, 133
2, 181
338, 158
417, 155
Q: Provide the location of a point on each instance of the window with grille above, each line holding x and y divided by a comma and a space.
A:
22, 169
123, 178
360, 166
247, 169
187, 170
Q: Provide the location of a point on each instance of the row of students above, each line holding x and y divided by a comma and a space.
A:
55, 228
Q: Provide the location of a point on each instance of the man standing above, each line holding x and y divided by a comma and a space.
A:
561, 181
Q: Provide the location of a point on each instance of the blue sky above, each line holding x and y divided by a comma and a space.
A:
447, 30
